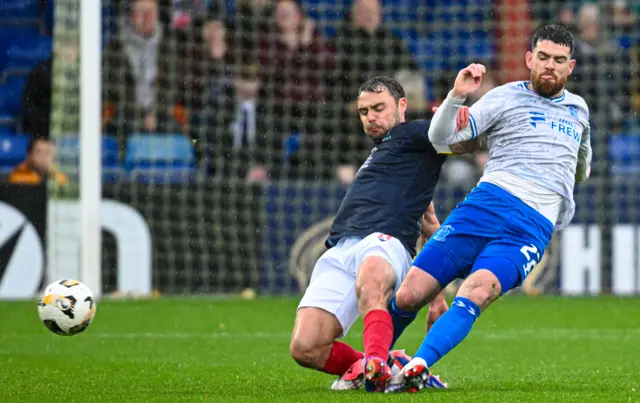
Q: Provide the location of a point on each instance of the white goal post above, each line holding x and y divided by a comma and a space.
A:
90, 144
73, 226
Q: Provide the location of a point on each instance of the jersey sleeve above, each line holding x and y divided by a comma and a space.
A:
583, 168
584, 156
442, 131
482, 116
486, 111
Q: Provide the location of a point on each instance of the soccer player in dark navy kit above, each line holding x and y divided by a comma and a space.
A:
372, 243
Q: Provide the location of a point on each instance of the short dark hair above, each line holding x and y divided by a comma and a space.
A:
555, 33
380, 84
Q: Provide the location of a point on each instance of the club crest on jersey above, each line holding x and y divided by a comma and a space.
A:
573, 111
536, 117
442, 232
384, 237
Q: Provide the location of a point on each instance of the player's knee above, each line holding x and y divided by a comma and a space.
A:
307, 354
408, 298
417, 290
482, 287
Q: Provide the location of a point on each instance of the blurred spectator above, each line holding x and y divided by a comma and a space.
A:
567, 17
36, 100
184, 12
252, 20
223, 99
208, 91
296, 62
248, 138
38, 165
415, 91
366, 48
36, 95
600, 60
140, 75
209, 88
623, 22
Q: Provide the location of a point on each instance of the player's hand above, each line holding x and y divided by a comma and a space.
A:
462, 118
468, 80
430, 223
436, 309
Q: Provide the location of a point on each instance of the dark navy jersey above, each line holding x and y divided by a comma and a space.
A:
393, 187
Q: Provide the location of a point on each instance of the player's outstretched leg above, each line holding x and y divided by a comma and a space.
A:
313, 342
417, 290
374, 287
476, 293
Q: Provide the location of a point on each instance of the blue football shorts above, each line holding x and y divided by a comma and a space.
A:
491, 229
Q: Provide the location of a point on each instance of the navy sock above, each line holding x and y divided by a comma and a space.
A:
449, 330
400, 318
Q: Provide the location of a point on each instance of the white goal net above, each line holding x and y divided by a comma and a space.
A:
230, 125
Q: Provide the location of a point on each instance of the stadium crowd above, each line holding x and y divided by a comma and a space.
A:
266, 88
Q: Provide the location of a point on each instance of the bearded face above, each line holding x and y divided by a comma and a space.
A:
551, 66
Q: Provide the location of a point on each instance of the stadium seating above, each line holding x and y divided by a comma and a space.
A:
15, 31
12, 151
19, 9
154, 158
11, 96
624, 153
26, 52
7, 124
68, 147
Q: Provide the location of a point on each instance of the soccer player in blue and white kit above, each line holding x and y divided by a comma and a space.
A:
538, 138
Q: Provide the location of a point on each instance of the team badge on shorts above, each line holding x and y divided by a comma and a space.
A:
384, 237
442, 233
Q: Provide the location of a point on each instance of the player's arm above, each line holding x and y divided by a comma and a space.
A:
464, 147
430, 225
584, 157
444, 129
467, 146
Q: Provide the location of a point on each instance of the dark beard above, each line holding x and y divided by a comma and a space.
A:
547, 89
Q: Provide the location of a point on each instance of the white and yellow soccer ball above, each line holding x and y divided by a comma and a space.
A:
67, 307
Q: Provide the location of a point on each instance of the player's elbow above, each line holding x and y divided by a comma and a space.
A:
467, 147
434, 136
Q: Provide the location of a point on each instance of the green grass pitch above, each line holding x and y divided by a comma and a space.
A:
523, 349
